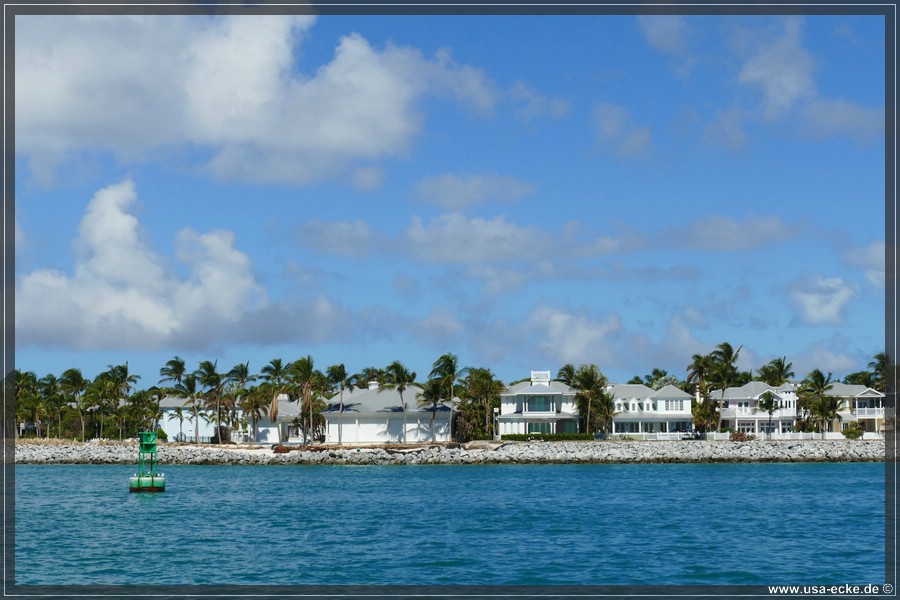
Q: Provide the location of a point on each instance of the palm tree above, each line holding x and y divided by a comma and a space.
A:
178, 414
880, 366
304, 376
397, 376
237, 382
368, 375
566, 374
482, 388
812, 393
724, 370
337, 377
768, 403
776, 372
431, 396
29, 399
275, 374
699, 372
255, 403
173, 372
590, 385
53, 399
446, 368
187, 389
73, 384
208, 377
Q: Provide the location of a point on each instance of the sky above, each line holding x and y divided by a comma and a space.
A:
521, 191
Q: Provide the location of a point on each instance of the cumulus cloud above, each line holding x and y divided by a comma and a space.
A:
456, 192
617, 133
782, 70
226, 88
723, 234
121, 293
727, 129
668, 34
820, 300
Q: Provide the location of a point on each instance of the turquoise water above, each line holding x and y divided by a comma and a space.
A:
721, 524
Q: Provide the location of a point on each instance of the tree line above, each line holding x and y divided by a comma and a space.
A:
72, 406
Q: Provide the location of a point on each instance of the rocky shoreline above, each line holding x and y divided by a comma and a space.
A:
698, 451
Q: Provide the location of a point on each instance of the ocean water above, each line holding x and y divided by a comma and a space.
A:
638, 524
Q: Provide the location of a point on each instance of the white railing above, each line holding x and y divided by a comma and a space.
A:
868, 412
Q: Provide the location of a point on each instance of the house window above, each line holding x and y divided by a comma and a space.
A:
539, 428
539, 404
746, 427
674, 405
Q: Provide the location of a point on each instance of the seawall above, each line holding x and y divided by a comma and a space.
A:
694, 451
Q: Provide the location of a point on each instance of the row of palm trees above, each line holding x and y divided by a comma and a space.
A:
60, 406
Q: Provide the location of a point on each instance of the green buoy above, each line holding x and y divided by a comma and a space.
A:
147, 479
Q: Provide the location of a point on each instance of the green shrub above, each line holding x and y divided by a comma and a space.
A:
740, 436
853, 431
161, 435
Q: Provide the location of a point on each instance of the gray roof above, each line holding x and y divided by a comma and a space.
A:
848, 390
753, 389
631, 390
670, 392
526, 388
381, 400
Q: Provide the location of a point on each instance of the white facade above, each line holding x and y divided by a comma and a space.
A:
538, 406
376, 416
640, 409
742, 412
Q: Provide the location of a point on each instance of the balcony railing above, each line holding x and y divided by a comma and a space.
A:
869, 412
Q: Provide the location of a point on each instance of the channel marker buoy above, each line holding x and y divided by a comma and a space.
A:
147, 479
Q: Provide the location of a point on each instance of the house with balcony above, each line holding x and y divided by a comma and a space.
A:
537, 406
741, 411
860, 404
643, 410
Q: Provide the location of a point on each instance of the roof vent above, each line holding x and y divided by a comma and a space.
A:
540, 377
373, 385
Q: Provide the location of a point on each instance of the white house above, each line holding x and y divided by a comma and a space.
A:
375, 415
640, 409
184, 429
538, 406
741, 410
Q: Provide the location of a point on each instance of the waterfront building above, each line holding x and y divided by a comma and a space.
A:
640, 409
375, 415
860, 404
186, 430
538, 405
741, 410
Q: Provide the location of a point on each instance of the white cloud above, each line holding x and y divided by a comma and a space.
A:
121, 295
870, 259
617, 133
782, 70
821, 300
228, 87
455, 239
457, 192
572, 338
723, 234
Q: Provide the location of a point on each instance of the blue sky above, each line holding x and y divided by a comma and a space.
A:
521, 191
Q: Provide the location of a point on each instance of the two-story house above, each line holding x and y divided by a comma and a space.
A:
640, 409
742, 411
537, 406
